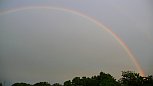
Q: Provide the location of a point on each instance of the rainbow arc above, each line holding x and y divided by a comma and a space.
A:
115, 36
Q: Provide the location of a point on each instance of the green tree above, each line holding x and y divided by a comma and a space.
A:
67, 83
107, 80
148, 81
100, 80
42, 84
76, 81
1, 84
56, 84
87, 81
130, 78
21, 84
84, 81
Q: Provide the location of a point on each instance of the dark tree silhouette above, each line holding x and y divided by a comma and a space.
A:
130, 78
1, 84
67, 83
148, 81
99, 80
21, 84
76, 81
107, 80
42, 84
56, 84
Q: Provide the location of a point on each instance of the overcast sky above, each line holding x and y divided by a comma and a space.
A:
54, 45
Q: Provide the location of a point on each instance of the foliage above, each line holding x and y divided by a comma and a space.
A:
107, 80
56, 84
1, 84
67, 83
129, 78
99, 80
21, 84
42, 84
148, 81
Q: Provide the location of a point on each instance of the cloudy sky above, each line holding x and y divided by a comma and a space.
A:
56, 45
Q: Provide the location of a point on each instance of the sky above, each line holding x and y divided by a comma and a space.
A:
56, 45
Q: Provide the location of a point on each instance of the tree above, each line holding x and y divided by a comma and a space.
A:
76, 81
56, 84
42, 84
1, 84
21, 84
130, 78
67, 83
148, 81
107, 80
100, 80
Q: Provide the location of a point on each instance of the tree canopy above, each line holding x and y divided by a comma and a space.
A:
129, 78
21, 84
42, 84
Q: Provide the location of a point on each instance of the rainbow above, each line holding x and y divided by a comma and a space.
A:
115, 36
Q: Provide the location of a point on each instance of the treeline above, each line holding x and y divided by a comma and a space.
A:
129, 78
